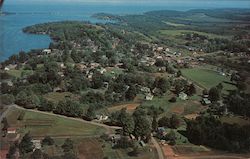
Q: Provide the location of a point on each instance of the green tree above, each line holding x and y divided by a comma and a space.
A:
7, 99
164, 122
178, 74
154, 123
48, 141
68, 146
37, 154
127, 122
171, 137
191, 90
131, 93
163, 84
26, 145
5, 125
214, 94
90, 114
174, 121
11, 152
142, 127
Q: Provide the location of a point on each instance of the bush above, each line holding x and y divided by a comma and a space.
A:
47, 141
7, 99
172, 100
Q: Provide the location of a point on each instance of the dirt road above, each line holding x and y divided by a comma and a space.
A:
158, 148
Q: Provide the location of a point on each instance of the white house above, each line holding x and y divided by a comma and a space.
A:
6, 69
102, 70
46, 51
102, 117
149, 96
37, 144
183, 96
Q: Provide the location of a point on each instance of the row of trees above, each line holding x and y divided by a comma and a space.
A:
207, 130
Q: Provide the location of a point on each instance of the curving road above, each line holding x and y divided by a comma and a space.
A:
158, 148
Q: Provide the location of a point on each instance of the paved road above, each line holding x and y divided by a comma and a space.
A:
158, 148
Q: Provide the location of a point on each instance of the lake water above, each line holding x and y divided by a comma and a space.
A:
13, 40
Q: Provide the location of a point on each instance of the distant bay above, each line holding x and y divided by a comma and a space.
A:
13, 40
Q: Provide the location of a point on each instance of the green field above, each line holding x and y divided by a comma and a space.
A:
207, 78
39, 124
182, 107
175, 24
175, 33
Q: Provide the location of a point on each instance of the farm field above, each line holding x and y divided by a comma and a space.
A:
39, 124
207, 78
175, 33
90, 148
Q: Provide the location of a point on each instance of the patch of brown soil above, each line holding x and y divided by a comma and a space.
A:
90, 149
177, 109
130, 107
168, 152
191, 116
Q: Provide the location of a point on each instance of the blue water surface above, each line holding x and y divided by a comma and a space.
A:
13, 40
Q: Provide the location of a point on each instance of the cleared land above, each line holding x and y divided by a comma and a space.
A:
130, 107
181, 107
56, 96
39, 124
90, 148
235, 120
207, 78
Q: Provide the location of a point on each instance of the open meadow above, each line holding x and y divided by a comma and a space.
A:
207, 78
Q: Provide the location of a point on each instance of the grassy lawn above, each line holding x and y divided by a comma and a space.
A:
18, 73
181, 107
207, 78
